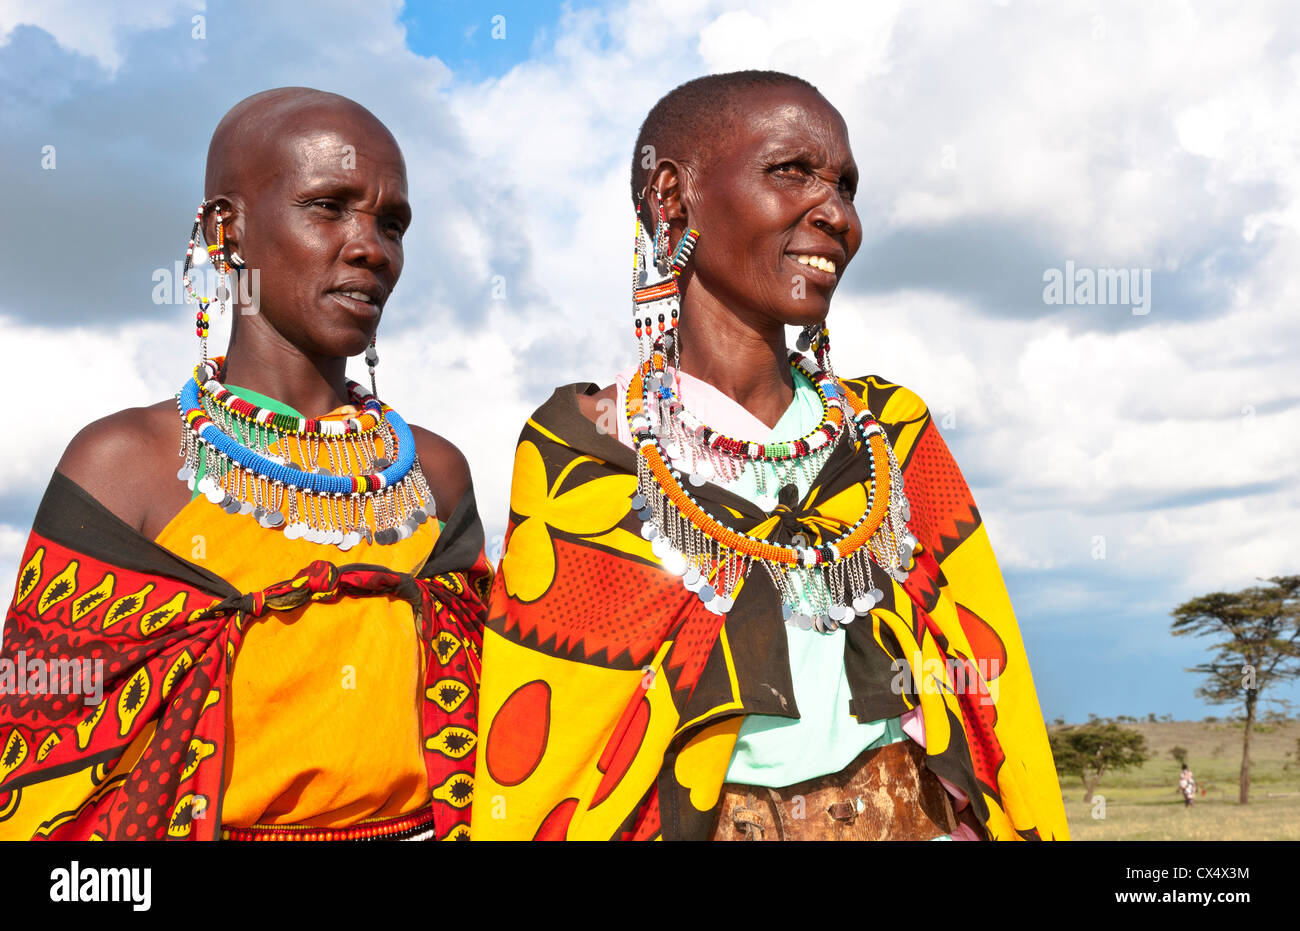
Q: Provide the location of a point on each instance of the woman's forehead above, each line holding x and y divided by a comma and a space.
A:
788, 117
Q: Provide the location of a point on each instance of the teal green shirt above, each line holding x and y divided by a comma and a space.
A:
776, 751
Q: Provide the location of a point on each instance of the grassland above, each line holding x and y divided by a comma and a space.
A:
1144, 803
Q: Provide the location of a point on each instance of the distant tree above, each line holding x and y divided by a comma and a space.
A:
1257, 645
1091, 750
1179, 754
1151, 718
1210, 719
1166, 717
1059, 721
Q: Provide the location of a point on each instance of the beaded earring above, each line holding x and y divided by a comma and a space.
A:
659, 298
372, 360
217, 255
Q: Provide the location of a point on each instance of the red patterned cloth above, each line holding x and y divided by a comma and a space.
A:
147, 761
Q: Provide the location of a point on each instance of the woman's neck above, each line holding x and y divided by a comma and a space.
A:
271, 365
748, 364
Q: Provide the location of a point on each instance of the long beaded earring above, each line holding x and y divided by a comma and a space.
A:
658, 298
217, 254
201, 315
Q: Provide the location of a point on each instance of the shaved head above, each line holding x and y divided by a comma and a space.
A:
254, 133
310, 191
686, 122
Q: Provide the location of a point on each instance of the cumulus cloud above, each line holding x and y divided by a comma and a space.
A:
996, 142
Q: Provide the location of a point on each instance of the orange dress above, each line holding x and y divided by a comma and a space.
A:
324, 715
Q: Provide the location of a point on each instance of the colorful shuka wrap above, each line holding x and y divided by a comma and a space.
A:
147, 762
612, 697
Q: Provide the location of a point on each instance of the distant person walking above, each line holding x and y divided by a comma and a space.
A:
1187, 785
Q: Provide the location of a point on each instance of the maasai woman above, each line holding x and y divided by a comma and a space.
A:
741, 597
287, 627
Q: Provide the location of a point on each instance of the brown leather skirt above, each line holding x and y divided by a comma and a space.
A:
885, 794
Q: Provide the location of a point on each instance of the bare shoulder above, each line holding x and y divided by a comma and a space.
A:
445, 468
594, 406
127, 462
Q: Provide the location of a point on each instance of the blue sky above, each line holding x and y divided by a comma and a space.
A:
996, 141
478, 40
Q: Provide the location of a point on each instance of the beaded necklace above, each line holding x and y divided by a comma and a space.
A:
713, 558
703, 453
360, 495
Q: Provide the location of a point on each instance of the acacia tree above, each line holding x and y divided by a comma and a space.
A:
1257, 633
1091, 749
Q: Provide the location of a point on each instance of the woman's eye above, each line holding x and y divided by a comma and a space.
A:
787, 167
325, 205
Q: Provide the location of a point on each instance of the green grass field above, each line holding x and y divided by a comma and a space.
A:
1144, 803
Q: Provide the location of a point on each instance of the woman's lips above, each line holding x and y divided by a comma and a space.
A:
356, 303
816, 269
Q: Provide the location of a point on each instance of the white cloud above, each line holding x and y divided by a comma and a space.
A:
96, 29
1153, 136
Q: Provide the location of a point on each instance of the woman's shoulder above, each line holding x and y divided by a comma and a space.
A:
445, 469
889, 401
123, 461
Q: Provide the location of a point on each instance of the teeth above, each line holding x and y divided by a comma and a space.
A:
358, 296
816, 261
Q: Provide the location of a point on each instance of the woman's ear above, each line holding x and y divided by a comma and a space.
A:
232, 222
672, 180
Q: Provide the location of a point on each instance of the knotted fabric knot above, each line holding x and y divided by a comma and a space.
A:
317, 581
791, 524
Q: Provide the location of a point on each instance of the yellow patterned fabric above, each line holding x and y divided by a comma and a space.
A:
611, 698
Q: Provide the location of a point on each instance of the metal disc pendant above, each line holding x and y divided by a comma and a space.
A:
419, 515
185, 473
660, 546
801, 620
876, 595
697, 479
649, 531
836, 612
638, 501
863, 604
246, 507
787, 612
230, 505
380, 463
693, 580
322, 470
273, 519
724, 603
646, 513
675, 562
706, 593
